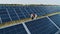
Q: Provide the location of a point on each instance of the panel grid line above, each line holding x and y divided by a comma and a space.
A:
9, 14
16, 13
41, 9
53, 23
31, 10
0, 20
26, 10
57, 32
27, 30
35, 10
22, 12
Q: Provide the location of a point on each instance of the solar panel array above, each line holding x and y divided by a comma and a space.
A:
39, 26
10, 13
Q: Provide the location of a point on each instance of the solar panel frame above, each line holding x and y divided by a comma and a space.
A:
12, 13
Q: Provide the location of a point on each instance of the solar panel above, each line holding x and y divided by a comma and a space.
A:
14, 13
56, 19
45, 25
17, 29
41, 26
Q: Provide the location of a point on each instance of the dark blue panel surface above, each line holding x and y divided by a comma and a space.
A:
4, 15
17, 29
25, 11
56, 19
41, 26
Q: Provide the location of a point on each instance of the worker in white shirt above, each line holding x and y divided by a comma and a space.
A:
33, 16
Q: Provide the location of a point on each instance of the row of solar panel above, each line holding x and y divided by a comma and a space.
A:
15, 13
44, 26
40, 26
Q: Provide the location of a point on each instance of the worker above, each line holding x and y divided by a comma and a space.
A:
33, 16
